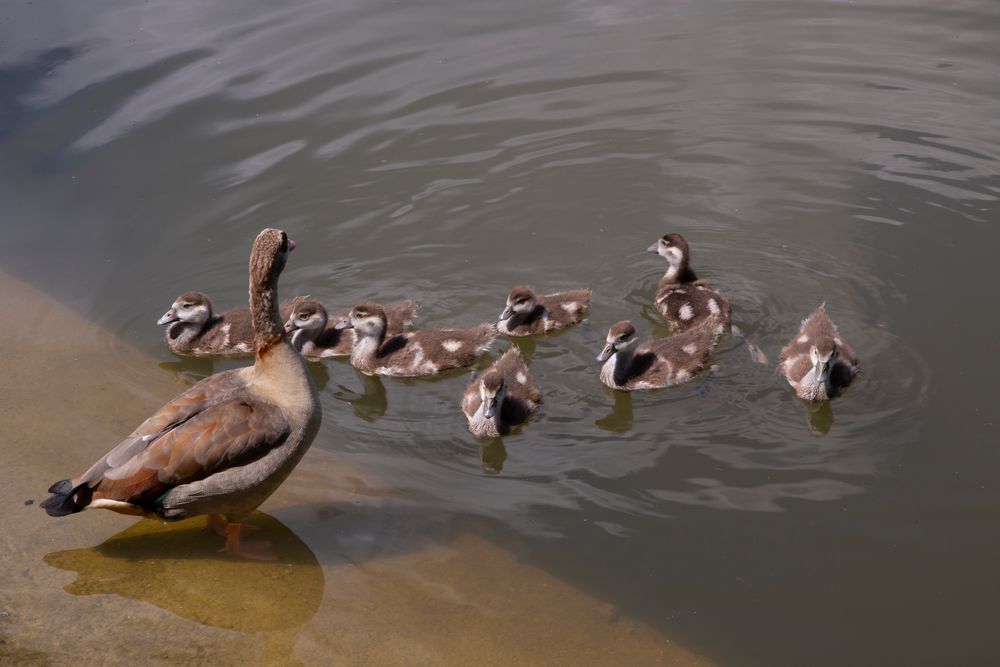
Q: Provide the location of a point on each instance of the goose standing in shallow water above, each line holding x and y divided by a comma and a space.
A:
504, 396
195, 329
224, 445
315, 335
657, 362
817, 362
527, 313
413, 353
682, 299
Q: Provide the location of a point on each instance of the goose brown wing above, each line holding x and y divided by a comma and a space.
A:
185, 418
224, 435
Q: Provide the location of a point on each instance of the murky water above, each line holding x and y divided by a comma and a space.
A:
446, 151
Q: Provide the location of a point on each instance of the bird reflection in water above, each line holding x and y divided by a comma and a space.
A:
371, 403
492, 454
177, 567
620, 418
819, 417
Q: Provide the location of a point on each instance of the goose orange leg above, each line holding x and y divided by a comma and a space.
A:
252, 549
218, 523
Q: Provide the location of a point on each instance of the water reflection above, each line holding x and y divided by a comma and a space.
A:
819, 416
371, 403
762, 498
492, 454
177, 567
189, 370
620, 418
20, 80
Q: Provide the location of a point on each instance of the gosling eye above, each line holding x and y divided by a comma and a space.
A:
186, 306
303, 316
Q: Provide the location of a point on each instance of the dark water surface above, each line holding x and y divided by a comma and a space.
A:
446, 151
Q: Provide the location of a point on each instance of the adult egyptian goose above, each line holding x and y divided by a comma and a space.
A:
817, 363
504, 396
657, 362
413, 353
314, 331
195, 329
682, 299
527, 313
224, 445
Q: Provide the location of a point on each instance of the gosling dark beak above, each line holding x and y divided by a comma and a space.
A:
168, 317
343, 324
507, 312
653, 248
290, 326
606, 353
291, 245
488, 407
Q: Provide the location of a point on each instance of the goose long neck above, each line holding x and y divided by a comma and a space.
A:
267, 328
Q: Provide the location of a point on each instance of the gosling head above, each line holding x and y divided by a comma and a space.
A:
620, 337
307, 316
823, 357
673, 248
367, 319
521, 301
491, 390
190, 307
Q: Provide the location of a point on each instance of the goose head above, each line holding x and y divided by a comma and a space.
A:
492, 390
367, 319
823, 357
520, 301
191, 308
267, 260
268, 257
621, 336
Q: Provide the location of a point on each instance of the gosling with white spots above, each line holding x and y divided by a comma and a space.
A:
194, 329
411, 353
314, 333
657, 362
817, 363
528, 313
504, 396
681, 306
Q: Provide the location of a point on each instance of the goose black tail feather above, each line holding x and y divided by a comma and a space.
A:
61, 502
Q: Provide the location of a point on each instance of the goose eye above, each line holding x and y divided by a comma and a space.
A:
303, 316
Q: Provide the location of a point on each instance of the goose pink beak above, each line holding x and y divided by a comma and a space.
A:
291, 245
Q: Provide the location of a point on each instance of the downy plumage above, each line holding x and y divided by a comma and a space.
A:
412, 353
817, 363
504, 396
